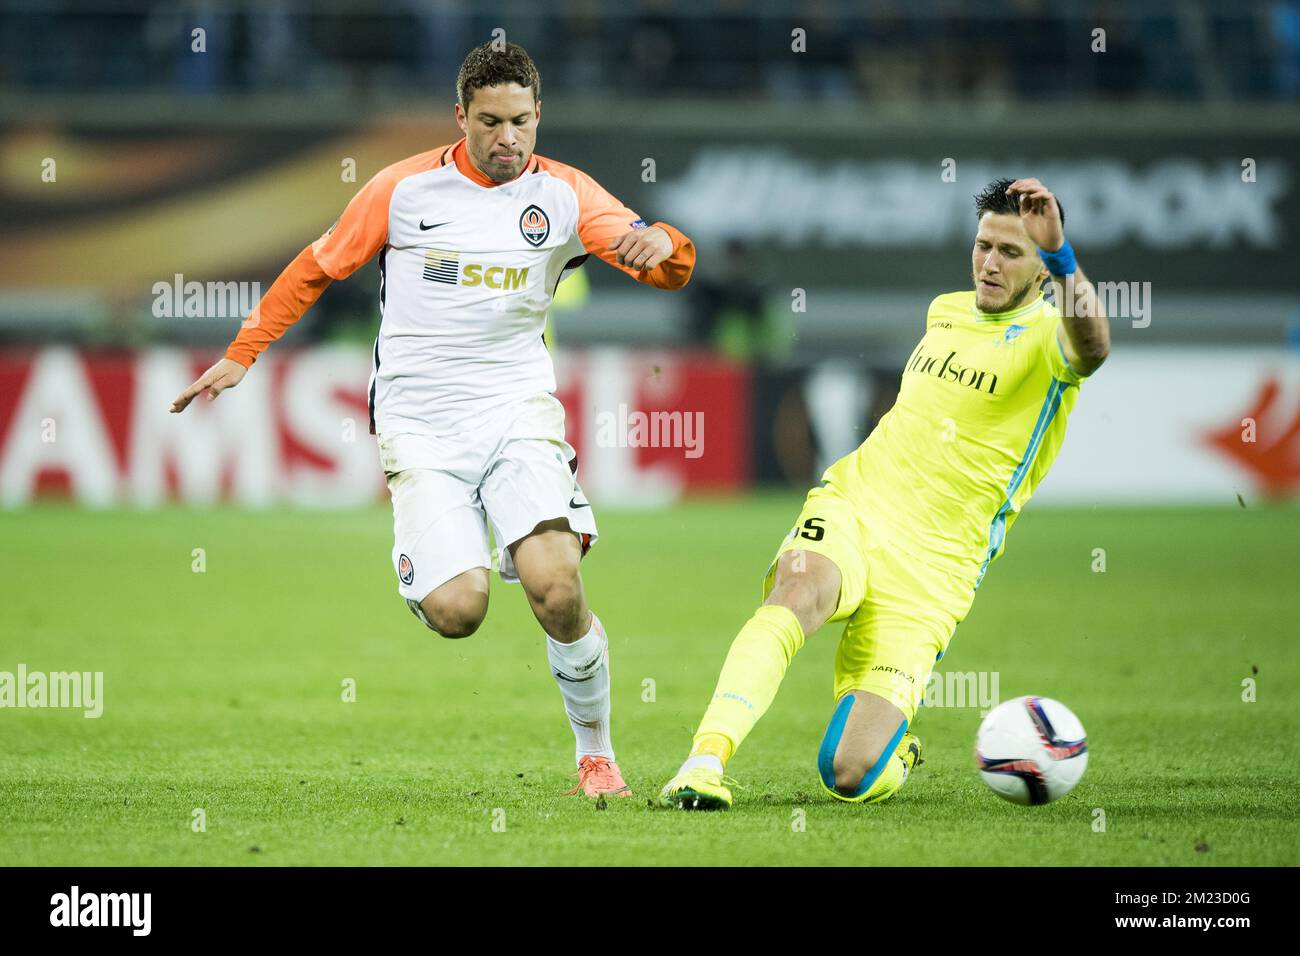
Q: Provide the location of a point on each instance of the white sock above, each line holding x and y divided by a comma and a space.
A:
582, 671
712, 761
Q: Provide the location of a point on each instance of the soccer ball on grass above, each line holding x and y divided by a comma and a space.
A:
1031, 750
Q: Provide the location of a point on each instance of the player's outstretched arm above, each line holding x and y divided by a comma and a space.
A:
1085, 331
291, 295
360, 232
225, 374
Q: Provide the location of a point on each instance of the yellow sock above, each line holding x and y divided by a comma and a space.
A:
750, 677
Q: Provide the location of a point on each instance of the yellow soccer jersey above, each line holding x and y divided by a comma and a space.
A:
979, 419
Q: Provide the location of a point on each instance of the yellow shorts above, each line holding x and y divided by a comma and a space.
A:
901, 611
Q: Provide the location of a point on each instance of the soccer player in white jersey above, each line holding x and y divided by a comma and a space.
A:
472, 239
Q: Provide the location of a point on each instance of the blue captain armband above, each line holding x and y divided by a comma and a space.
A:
1059, 263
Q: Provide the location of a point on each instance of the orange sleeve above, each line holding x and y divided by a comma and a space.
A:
362, 230
602, 219
675, 271
346, 246
291, 295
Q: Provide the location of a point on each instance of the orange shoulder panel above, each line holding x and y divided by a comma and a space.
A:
362, 230
291, 295
349, 244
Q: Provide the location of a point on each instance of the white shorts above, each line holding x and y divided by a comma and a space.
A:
512, 471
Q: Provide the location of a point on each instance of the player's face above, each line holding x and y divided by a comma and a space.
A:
1004, 264
500, 129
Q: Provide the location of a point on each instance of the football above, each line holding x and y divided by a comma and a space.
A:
1031, 750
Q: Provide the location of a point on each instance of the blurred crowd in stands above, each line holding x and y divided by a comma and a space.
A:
855, 51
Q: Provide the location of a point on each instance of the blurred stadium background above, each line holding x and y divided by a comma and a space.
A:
150, 145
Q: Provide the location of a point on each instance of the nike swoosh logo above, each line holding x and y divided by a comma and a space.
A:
573, 503
571, 680
434, 226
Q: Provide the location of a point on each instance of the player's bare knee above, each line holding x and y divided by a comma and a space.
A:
851, 768
456, 624
803, 598
454, 615
808, 584
858, 743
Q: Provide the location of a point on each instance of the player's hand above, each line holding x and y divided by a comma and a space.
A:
1040, 214
643, 248
225, 374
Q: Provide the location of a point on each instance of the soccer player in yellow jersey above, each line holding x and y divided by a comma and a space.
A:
900, 533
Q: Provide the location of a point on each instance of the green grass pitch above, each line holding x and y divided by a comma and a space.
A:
223, 692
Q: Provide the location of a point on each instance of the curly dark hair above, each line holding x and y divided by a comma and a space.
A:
486, 66
996, 199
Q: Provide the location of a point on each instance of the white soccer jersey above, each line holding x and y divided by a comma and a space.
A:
468, 268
